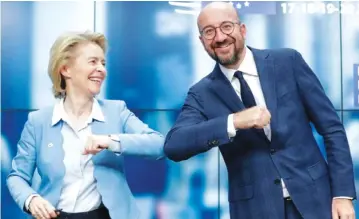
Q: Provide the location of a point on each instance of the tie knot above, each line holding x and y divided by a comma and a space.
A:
239, 74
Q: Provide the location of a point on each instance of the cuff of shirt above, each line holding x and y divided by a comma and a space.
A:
114, 144
28, 200
230, 127
343, 197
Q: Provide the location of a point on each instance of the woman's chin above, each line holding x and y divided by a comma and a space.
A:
93, 92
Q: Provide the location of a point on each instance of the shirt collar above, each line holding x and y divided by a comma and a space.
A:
59, 112
248, 66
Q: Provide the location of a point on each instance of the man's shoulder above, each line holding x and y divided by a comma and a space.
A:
276, 53
202, 84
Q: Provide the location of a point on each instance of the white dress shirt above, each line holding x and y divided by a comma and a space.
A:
79, 193
250, 74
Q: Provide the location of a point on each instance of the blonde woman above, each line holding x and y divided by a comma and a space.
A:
78, 144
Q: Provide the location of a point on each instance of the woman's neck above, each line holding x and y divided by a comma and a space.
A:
78, 106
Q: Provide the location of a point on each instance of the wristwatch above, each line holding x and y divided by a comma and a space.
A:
115, 144
114, 137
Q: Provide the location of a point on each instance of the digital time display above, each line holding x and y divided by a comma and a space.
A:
320, 8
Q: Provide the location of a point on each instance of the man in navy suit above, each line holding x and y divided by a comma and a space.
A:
257, 106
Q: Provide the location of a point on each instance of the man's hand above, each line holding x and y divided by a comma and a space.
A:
96, 143
254, 117
342, 208
41, 208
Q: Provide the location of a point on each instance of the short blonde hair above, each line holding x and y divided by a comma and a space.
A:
62, 50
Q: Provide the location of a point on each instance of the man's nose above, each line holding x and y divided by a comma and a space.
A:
220, 37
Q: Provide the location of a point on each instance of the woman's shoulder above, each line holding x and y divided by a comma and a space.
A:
41, 115
112, 104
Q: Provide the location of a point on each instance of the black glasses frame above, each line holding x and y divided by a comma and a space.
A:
221, 26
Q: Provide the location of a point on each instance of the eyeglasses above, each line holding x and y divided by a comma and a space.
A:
226, 27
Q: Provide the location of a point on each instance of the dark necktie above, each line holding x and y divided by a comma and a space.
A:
246, 93
247, 96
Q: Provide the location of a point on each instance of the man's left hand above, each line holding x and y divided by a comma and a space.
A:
343, 208
96, 143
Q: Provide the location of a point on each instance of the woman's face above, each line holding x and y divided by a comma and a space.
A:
86, 70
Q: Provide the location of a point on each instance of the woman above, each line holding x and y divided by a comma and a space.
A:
77, 145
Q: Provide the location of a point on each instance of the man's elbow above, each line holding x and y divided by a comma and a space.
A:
177, 146
173, 151
172, 155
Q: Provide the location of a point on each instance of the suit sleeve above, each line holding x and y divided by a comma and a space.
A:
193, 133
23, 166
322, 114
138, 138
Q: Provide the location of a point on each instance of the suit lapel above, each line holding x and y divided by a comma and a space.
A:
266, 72
224, 90
265, 67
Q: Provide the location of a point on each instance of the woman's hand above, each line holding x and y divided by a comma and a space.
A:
96, 143
41, 208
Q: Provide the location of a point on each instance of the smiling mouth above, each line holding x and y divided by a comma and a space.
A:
223, 46
95, 80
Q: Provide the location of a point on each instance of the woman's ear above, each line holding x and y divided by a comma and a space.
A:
65, 71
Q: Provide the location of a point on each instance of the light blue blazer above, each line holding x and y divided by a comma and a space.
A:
34, 152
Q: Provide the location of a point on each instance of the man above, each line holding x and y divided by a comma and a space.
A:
256, 106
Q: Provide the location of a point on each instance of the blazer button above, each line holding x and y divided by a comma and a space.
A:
272, 150
277, 181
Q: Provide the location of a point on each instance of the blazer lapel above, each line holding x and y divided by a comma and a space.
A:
99, 128
55, 141
266, 72
224, 90
54, 146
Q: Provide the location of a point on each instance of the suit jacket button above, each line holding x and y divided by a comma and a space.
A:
215, 142
272, 150
277, 181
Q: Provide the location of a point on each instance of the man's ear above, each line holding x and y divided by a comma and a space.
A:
243, 30
201, 39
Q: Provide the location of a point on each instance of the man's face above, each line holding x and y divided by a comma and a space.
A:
222, 35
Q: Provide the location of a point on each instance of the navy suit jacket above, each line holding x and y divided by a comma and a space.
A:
295, 98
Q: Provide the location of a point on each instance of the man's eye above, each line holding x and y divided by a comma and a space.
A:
209, 31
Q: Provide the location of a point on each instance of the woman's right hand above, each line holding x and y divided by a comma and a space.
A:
41, 208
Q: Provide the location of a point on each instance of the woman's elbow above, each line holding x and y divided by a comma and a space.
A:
159, 148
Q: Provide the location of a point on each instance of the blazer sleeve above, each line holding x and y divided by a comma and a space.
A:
137, 138
322, 114
23, 166
193, 133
